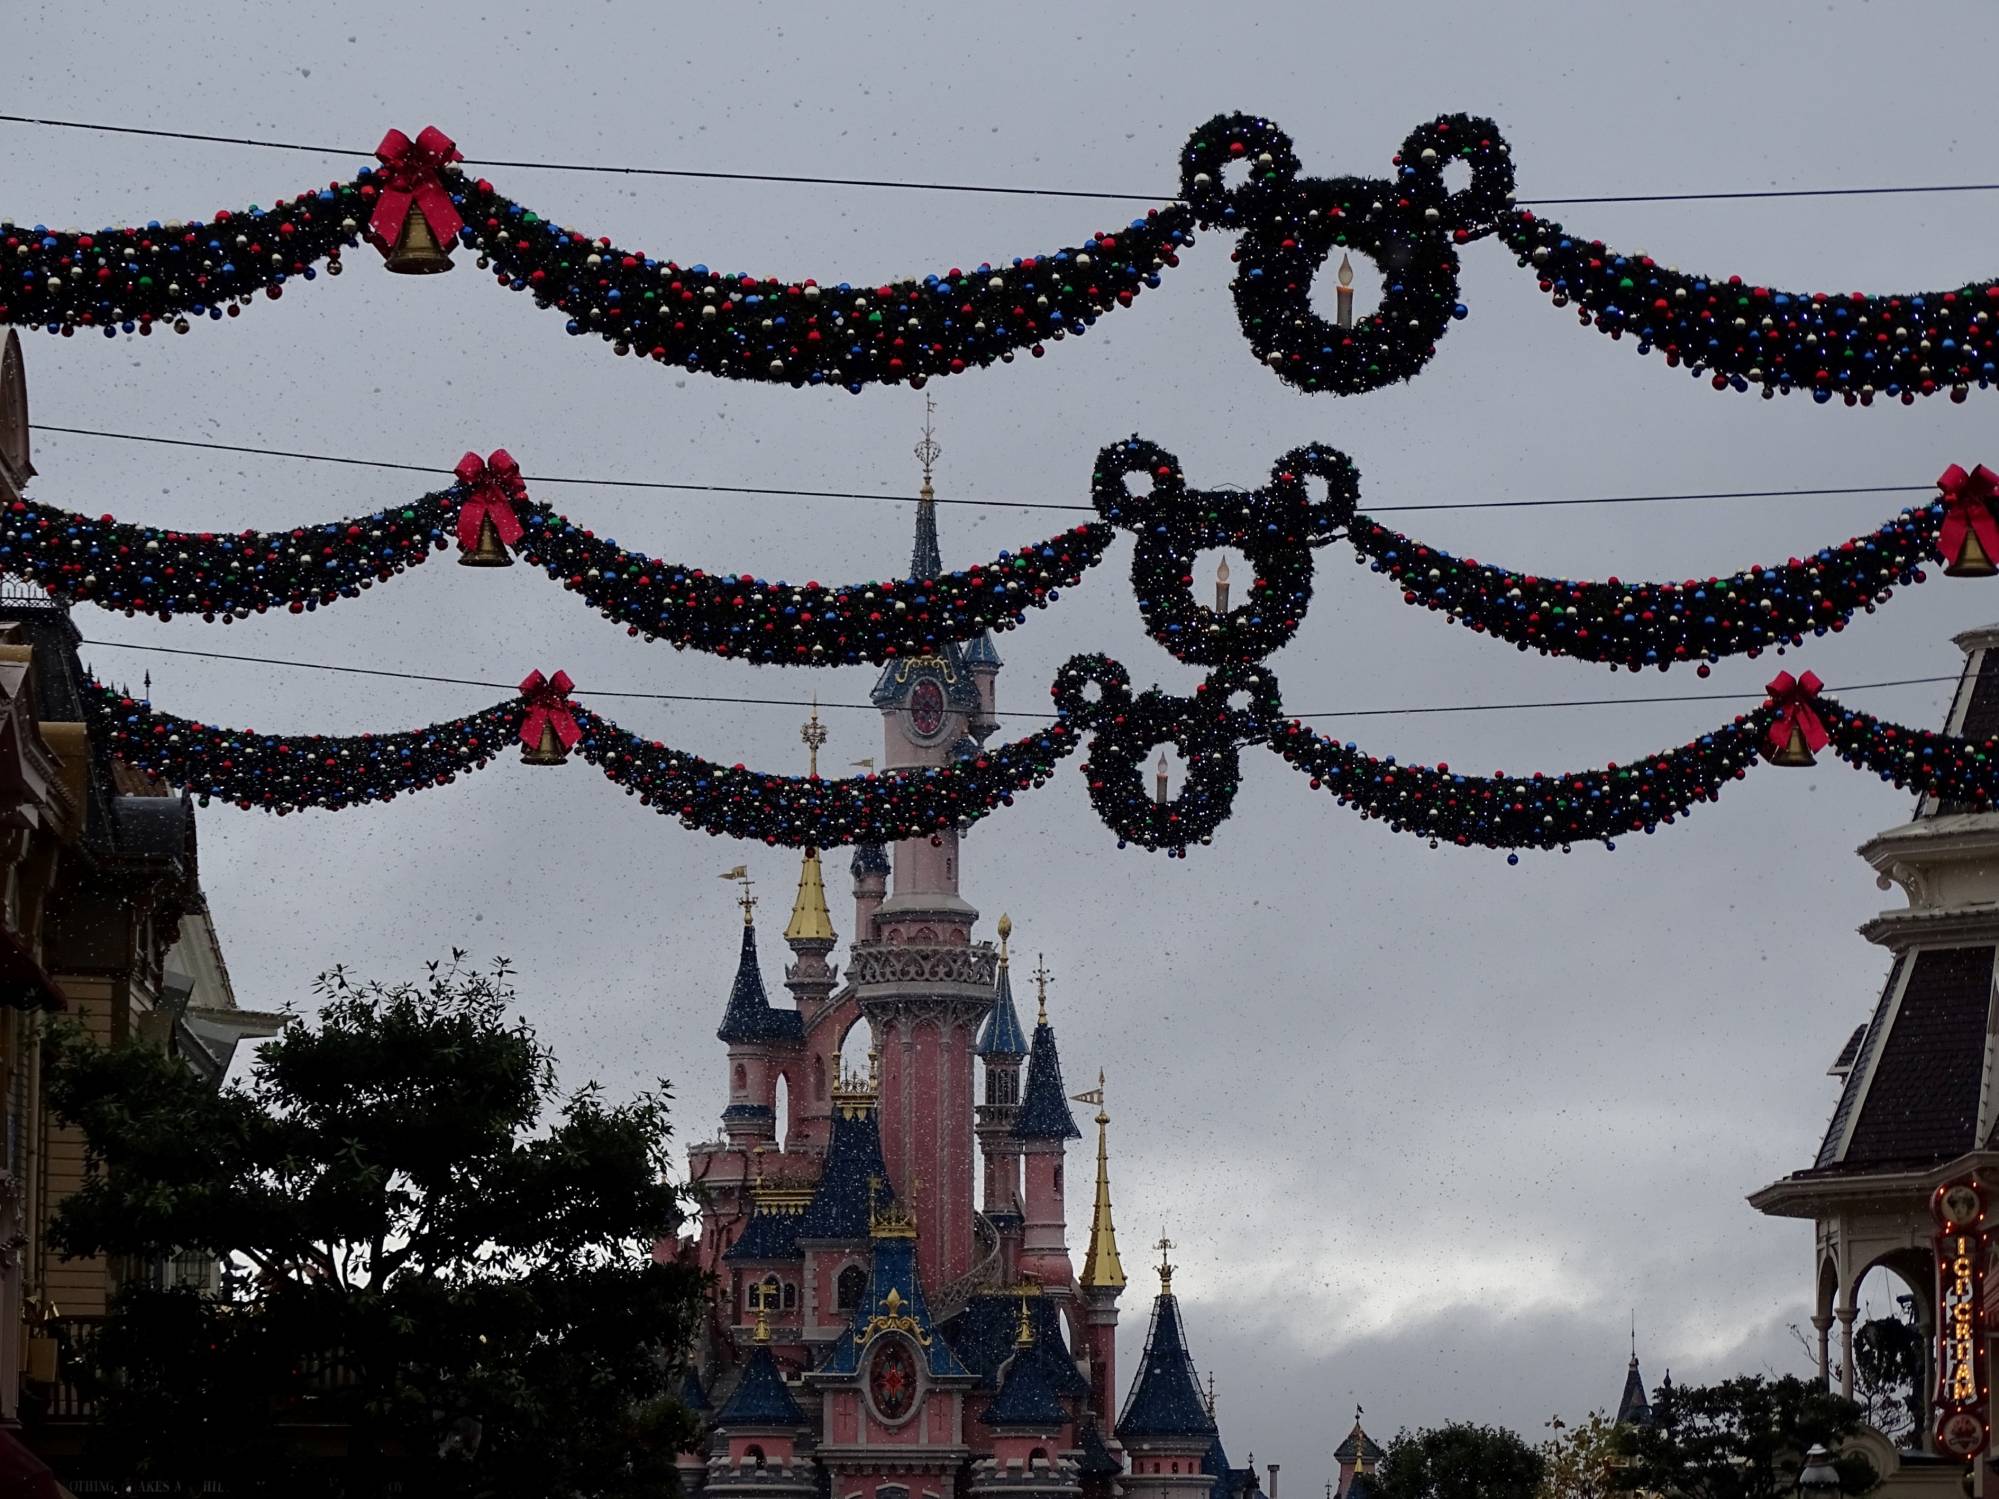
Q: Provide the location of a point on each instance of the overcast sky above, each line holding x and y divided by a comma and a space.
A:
1428, 1129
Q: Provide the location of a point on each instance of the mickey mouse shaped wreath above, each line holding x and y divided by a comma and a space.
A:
1275, 528
1291, 225
1235, 705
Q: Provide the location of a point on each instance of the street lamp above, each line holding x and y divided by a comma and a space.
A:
1819, 1478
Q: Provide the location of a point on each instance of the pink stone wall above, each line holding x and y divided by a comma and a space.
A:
1044, 1251
926, 1126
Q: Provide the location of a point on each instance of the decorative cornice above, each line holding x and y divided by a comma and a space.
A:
1801, 1195
1897, 930
876, 965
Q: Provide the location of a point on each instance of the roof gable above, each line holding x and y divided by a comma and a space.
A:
1916, 1097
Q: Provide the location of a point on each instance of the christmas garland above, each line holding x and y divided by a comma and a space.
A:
1233, 708
228, 576
742, 327
1637, 625
419, 204
284, 773
1139, 485
807, 812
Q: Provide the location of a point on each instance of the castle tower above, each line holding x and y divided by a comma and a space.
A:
1916, 1130
755, 1034
870, 870
1102, 1279
1166, 1428
1633, 1408
757, 1434
1002, 1048
1357, 1456
918, 978
1031, 1429
1044, 1127
809, 977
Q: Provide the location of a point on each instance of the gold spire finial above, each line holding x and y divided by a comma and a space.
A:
741, 874
760, 1295
1041, 977
928, 451
1025, 1337
1165, 1265
814, 735
1102, 1269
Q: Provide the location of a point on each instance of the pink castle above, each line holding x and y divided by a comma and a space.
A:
893, 1318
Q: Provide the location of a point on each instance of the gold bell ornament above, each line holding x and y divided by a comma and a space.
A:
416, 251
547, 750
1971, 561
1796, 754
488, 550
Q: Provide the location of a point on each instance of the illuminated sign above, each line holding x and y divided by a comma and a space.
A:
1959, 1209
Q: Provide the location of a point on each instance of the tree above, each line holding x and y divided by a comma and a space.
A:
1580, 1461
1888, 1372
1744, 1438
463, 1289
1459, 1461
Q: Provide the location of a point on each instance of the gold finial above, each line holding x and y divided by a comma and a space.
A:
1025, 1337
1102, 1269
747, 901
1041, 977
1005, 931
814, 735
1165, 1265
760, 1298
1222, 586
757, 1184
928, 451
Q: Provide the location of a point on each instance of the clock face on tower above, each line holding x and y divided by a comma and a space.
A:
926, 708
892, 1379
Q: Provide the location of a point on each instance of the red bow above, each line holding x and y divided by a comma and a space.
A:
548, 704
1967, 510
492, 485
1792, 697
413, 173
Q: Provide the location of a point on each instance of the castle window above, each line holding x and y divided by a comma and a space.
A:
754, 1456
1058, 1178
742, 1078
790, 1296
853, 1285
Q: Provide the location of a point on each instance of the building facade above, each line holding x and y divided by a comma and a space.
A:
1906, 1177
898, 1312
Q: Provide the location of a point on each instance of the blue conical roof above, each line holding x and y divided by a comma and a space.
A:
1002, 1036
853, 1181
1027, 1396
1097, 1459
1044, 1106
1165, 1401
749, 1018
980, 651
691, 1394
869, 858
1633, 1409
761, 1399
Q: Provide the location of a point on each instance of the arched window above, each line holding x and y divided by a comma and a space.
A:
818, 1077
1058, 1178
853, 1286
742, 1078
768, 1293
790, 1296
754, 1456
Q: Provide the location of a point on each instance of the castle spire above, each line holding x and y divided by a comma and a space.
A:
1002, 1036
810, 920
925, 559
1102, 1269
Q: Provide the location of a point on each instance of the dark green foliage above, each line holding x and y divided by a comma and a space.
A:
1459, 1461
1744, 1438
424, 1262
1888, 1374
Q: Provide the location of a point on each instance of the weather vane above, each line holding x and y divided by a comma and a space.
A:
928, 451
814, 735
747, 901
